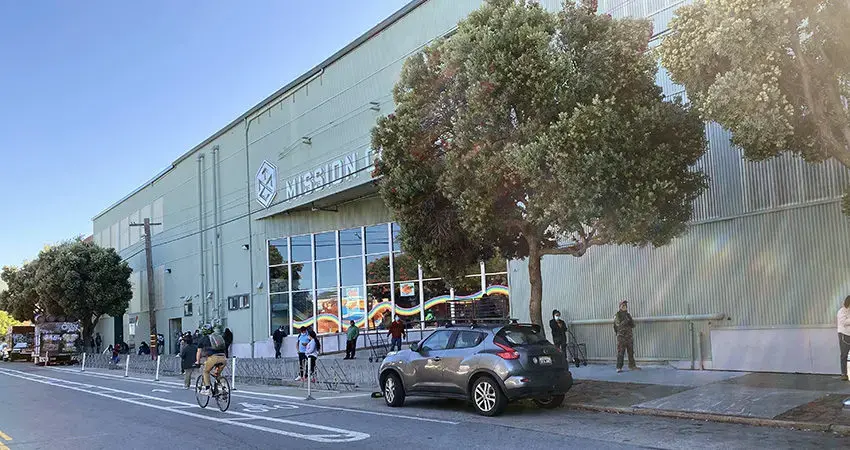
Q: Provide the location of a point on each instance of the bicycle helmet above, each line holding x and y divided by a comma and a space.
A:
207, 329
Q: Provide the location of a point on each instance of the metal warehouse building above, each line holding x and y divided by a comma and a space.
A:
275, 220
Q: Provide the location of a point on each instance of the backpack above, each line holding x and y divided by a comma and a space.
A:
216, 342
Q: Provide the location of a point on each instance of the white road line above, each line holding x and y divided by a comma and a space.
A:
269, 396
336, 434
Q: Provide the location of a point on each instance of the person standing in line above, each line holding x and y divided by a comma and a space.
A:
396, 332
277, 337
92, 345
559, 334
187, 359
98, 341
351, 340
312, 352
843, 318
228, 341
623, 326
301, 346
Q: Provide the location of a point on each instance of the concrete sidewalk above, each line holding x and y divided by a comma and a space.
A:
772, 399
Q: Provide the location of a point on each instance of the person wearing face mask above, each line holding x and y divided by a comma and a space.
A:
559, 332
623, 326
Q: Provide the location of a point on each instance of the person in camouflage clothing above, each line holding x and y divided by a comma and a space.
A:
623, 325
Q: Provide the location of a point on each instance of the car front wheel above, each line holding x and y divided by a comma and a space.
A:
488, 398
393, 391
550, 402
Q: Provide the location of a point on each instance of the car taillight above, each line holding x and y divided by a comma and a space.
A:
508, 352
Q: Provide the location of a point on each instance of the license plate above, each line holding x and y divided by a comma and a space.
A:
545, 360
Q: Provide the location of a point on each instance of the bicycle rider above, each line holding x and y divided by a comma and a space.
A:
212, 348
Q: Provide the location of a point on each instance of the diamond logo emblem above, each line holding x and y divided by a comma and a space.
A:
266, 183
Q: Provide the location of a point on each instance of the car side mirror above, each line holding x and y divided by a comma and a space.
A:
414, 348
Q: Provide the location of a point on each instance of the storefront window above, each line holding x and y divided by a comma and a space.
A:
350, 242
302, 309
325, 280
351, 271
378, 269
380, 306
377, 239
328, 317
279, 311
302, 276
279, 279
301, 248
326, 274
325, 246
278, 252
407, 305
353, 306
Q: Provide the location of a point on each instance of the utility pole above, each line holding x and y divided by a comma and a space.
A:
151, 293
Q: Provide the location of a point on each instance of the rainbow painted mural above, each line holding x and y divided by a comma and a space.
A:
330, 321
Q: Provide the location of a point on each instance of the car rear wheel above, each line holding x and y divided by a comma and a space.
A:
550, 402
488, 398
393, 391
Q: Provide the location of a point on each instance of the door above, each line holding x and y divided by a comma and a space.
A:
175, 329
427, 363
452, 378
118, 330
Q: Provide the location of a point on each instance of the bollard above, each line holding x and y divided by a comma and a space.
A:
156, 377
309, 379
233, 375
127, 366
83, 366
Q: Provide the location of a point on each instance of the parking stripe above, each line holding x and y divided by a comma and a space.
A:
5, 436
329, 435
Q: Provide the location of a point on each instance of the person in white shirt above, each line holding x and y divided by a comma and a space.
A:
844, 335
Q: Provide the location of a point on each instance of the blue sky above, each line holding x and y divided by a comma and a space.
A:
97, 97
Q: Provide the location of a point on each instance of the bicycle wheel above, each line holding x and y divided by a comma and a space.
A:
223, 393
203, 400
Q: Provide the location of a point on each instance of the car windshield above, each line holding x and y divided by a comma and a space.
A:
519, 335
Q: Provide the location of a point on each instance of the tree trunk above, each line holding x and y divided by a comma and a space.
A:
535, 278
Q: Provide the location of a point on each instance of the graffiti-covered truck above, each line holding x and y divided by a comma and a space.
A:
21, 341
57, 342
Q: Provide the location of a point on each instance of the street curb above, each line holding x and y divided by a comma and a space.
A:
843, 430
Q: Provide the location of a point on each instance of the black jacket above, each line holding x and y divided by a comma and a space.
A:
188, 355
278, 335
559, 333
228, 337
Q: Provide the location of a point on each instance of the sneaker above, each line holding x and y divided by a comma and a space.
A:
204, 391
298, 378
634, 368
313, 380
619, 370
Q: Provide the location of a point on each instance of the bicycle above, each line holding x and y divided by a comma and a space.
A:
220, 388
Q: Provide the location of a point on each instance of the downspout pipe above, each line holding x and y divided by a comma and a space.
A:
216, 237
250, 231
202, 297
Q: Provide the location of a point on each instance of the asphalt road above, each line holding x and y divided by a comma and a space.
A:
63, 408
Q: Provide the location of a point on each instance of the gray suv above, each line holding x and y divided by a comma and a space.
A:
489, 365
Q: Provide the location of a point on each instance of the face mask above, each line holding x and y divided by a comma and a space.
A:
557, 317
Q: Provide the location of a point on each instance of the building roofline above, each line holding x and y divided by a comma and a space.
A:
384, 24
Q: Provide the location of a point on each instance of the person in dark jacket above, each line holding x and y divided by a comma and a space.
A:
623, 326
277, 337
559, 333
144, 349
98, 341
228, 341
187, 360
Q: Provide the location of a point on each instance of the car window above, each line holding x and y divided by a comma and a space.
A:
522, 335
468, 339
437, 341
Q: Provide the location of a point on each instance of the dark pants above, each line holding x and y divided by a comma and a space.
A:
844, 345
562, 347
623, 346
350, 347
312, 366
302, 364
395, 342
277, 345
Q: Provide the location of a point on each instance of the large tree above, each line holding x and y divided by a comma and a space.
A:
773, 72
6, 321
528, 133
74, 279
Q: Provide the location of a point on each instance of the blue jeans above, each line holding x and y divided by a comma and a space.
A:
395, 342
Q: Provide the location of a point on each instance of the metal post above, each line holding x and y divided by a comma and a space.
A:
233, 375
127, 366
151, 291
309, 379
156, 377
83, 367
699, 350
